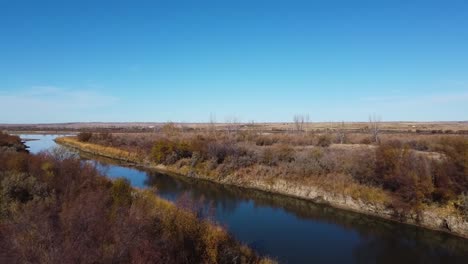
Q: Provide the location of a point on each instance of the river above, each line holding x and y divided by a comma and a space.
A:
288, 229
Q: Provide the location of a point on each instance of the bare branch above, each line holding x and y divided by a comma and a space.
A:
299, 122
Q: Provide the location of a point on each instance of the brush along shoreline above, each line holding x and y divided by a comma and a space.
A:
432, 217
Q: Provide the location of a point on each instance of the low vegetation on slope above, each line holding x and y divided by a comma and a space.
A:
11, 143
404, 172
60, 210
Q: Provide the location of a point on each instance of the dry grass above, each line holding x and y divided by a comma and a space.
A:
106, 151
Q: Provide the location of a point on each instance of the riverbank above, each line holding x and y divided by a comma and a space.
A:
445, 219
74, 214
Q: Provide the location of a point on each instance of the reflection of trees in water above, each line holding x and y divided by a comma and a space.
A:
214, 194
395, 249
380, 240
387, 236
378, 237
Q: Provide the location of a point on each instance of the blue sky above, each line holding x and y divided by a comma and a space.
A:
66, 61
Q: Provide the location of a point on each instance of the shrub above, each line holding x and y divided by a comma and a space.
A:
104, 138
268, 157
221, 150
19, 188
170, 129
361, 166
284, 153
84, 136
265, 141
195, 160
450, 172
315, 162
243, 160
121, 192
10, 142
168, 152
418, 145
308, 163
366, 141
403, 172
324, 141
464, 204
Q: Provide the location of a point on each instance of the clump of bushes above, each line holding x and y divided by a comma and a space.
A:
265, 141
10, 142
366, 141
84, 136
169, 151
450, 173
464, 204
324, 141
404, 173
310, 163
420, 145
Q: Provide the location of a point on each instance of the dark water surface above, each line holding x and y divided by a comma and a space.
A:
293, 230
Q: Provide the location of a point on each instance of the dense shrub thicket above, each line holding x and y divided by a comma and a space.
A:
84, 136
60, 210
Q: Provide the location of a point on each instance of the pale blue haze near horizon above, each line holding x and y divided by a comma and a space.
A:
124, 61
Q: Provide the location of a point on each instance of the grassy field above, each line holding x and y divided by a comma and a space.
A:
391, 127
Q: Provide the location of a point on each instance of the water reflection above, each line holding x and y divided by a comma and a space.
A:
298, 231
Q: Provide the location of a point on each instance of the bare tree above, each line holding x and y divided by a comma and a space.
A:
299, 122
341, 132
307, 121
212, 126
374, 126
62, 153
252, 130
232, 124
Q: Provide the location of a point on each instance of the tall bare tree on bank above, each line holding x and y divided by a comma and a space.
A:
374, 126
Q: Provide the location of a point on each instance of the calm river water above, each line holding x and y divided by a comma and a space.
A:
292, 230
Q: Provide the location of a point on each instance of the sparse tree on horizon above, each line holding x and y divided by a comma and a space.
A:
341, 133
299, 122
212, 126
232, 124
374, 126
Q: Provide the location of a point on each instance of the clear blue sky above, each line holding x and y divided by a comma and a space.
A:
266, 60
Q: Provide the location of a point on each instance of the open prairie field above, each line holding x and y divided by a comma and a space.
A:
455, 127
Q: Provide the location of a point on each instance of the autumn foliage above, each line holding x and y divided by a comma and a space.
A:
409, 170
61, 210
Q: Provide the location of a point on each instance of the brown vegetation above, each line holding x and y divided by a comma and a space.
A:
61, 210
11, 143
410, 170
